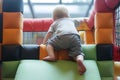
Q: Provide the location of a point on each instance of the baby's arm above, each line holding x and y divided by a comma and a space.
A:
48, 35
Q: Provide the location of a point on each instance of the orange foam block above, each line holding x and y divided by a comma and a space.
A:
60, 55
89, 37
12, 20
103, 36
104, 20
12, 36
43, 52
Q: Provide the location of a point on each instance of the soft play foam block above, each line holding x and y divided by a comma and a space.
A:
82, 36
12, 20
104, 52
116, 53
1, 26
104, 20
28, 25
117, 68
1, 6
36, 25
60, 70
83, 26
12, 36
9, 69
89, 37
60, 55
42, 24
103, 36
13, 6
101, 5
10, 52
29, 52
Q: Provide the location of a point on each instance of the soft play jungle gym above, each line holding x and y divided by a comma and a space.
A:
100, 34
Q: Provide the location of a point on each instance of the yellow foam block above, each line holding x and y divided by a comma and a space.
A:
89, 37
12, 20
12, 36
116, 69
104, 20
83, 26
60, 55
103, 36
82, 36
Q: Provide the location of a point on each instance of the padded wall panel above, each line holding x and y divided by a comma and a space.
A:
13, 6
89, 37
1, 27
104, 52
29, 52
12, 20
10, 52
1, 6
104, 20
12, 36
103, 36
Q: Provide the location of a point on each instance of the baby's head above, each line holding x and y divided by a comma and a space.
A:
60, 12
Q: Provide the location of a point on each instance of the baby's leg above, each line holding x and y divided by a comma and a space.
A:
81, 67
51, 55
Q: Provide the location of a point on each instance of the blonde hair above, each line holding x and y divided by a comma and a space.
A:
61, 12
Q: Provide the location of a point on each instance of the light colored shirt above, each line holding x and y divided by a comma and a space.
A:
63, 26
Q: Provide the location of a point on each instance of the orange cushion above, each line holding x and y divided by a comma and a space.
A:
104, 20
89, 37
103, 36
43, 52
12, 36
12, 20
60, 55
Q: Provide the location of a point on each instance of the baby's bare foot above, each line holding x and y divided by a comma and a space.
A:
48, 58
81, 67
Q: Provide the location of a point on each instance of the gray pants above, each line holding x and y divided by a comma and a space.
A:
71, 42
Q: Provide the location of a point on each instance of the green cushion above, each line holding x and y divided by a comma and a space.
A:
7, 78
106, 68
107, 78
89, 51
60, 70
9, 69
